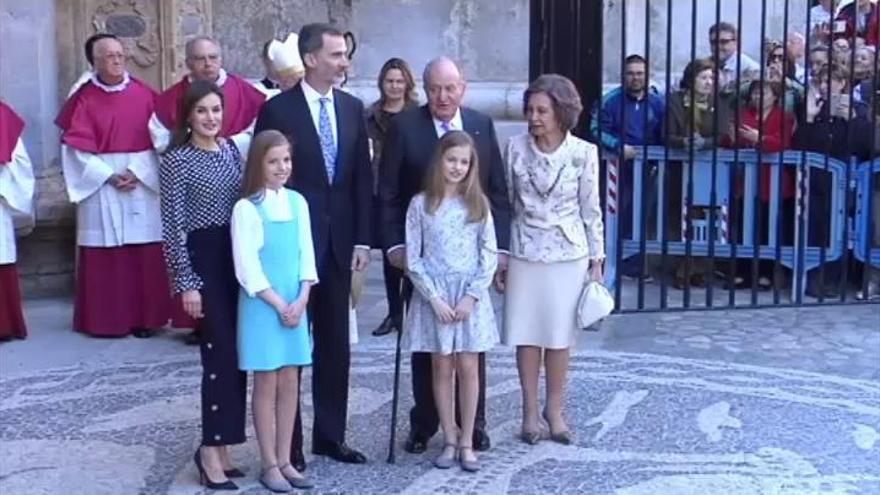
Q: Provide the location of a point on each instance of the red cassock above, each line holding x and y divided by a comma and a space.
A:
124, 287
12, 323
241, 105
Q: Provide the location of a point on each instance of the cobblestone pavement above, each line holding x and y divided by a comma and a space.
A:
748, 401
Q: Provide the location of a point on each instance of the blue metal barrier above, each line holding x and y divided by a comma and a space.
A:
745, 161
864, 247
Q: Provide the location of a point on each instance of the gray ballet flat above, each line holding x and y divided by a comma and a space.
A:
301, 483
467, 465
276, 486
445, 461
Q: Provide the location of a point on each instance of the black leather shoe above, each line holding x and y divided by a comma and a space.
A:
481, 440
415, 444
142, 333
341, 453
385, 327
298, 461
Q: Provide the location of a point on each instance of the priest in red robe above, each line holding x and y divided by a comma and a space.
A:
241, 100
111, 173
16, 195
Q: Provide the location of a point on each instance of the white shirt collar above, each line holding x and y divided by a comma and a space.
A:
221, 78
111, 88
454, 125
312, 95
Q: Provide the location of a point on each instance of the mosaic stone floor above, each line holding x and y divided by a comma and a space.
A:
751, 402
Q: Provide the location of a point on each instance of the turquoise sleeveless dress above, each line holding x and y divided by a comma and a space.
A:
264, 343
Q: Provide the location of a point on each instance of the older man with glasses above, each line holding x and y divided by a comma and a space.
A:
723, 41
242, 101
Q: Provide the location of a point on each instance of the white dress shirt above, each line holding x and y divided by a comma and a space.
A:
313, 99
454, 124
16, 195
248, 239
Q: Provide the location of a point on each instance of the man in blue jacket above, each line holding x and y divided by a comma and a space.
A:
630, 116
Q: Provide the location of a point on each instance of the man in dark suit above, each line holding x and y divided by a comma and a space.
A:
332, 170
412, 137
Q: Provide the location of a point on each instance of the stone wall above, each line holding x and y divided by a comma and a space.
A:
490, 39
29, 83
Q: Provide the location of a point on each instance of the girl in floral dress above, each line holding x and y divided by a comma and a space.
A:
451, 259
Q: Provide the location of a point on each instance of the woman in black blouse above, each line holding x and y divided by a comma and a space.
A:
200, 180
397, 92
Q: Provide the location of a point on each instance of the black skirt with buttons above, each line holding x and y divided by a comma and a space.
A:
224, 386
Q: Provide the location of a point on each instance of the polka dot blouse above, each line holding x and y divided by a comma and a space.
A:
198, 190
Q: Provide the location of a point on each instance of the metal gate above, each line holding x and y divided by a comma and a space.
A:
739, 141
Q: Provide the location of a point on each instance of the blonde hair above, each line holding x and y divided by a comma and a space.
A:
469, 188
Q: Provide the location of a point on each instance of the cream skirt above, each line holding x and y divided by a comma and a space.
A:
540, 305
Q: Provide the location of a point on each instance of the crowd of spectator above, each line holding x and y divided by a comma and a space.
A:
816, 92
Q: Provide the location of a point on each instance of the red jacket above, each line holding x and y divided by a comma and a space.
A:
848, 15
776, 136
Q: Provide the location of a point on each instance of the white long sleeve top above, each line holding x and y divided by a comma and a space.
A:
248, 238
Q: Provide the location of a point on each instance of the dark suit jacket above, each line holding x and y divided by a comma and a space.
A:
406, 154
340, 212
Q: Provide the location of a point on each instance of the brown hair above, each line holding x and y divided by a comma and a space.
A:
693, 69
567, 106
410, 98
193, 95
469, 188
254, 181
311, 37
774, 86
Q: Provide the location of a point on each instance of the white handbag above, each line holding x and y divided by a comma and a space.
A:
594, 304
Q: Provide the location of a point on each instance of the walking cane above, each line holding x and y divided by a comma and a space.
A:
405, 293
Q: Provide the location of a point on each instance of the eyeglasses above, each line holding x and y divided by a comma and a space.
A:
776, 56
724, 41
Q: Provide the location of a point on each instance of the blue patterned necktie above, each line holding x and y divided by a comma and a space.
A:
328, 144
446, 127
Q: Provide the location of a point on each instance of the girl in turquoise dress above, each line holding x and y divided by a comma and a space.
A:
275, 266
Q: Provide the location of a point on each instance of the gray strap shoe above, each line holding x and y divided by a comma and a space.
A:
469, 465
299, 482
446, 460
275, 485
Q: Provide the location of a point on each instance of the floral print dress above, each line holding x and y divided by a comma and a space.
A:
449, 257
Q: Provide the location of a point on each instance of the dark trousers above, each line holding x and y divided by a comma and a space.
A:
423, 418
224, 386
328, 309
392, 277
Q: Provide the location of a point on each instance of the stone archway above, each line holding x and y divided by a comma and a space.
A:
153, 33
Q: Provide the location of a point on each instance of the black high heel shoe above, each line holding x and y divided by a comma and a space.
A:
205, 480
234, 473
